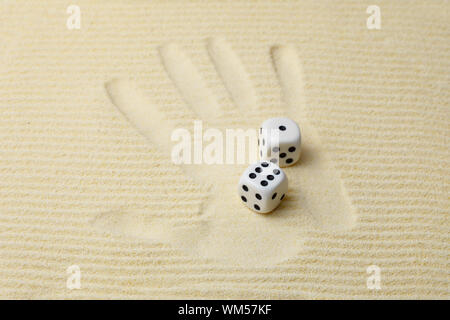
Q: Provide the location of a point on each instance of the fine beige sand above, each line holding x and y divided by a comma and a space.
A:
86, 177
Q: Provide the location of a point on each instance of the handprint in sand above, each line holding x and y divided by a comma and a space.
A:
224, 229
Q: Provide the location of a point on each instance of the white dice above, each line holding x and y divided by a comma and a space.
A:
262, 186
280, 141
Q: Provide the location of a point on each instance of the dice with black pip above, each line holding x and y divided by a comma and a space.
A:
263, 186
280, 141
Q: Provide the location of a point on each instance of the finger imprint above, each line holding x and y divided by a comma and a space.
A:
233, 74
191, 85
137, 108
290, 75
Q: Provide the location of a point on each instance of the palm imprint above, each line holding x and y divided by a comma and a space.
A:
224, 229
